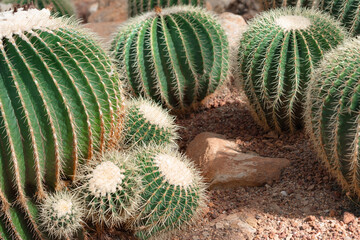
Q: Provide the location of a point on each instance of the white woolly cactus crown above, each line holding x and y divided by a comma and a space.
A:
26, 20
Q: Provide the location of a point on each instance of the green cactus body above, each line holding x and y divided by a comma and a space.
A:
345, 11
276, 56
58, 98
177, 57
173, 193
146, 122
110, 189
333, 110
60, 215
61, 7
136, 7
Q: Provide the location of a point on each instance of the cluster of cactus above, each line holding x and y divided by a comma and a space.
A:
276, 57
345, 11
333, 111
60, 7
136, 7
60, 103
176, 56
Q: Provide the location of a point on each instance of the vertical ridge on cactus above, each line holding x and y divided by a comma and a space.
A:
61, 7
59, 104
146, 122
171, 198
177, 57
136, 7
276, 56
332, 113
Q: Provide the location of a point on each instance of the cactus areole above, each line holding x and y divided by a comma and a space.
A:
59, 99
176, 56
276, 56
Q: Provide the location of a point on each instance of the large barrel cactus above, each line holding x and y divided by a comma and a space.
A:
276, 56
345, 11
333, 113
176, 56
136, 7
173, 193
59, 102
61, 7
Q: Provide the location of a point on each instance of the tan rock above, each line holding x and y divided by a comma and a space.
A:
104, 29
115, 12
224, 165
234, 25
348, 217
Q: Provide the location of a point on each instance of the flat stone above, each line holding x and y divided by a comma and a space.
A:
103, 29
234, 26
224, 165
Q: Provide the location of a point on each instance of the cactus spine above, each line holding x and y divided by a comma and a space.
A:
276, 56
110, 189
177, 56
58, 99
173, 192
332, 113
61, 7
146, 122
60, 215
136, 7
345, 11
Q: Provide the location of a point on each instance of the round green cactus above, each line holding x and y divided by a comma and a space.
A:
146, 122
59, 104
60, 215
345, 11
333, 111
61, 7
276, 56
173, 193
136, 7
177, 56
110, 189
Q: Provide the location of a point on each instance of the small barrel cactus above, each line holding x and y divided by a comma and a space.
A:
276, 56
110, 189
173, 193
345, 11
146, 122
136, 7
176, 56
61, 7
61, 215
333, 113
59, 95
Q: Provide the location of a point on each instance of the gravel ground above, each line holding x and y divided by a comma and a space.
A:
306, 203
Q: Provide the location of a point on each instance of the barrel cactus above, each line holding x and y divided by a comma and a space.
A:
173, 193
176, 56
59, 95
61, 215
276, 56
60, 7
333, 111
146, 122
136, 7
110, 189
345, 11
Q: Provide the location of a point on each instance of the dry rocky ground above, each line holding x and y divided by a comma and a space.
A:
304, 203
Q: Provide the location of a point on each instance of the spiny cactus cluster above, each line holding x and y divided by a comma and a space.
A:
60, 7
136, 7
146, 122
177, 56
333, 111
276, 56
345, 11
60, 103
